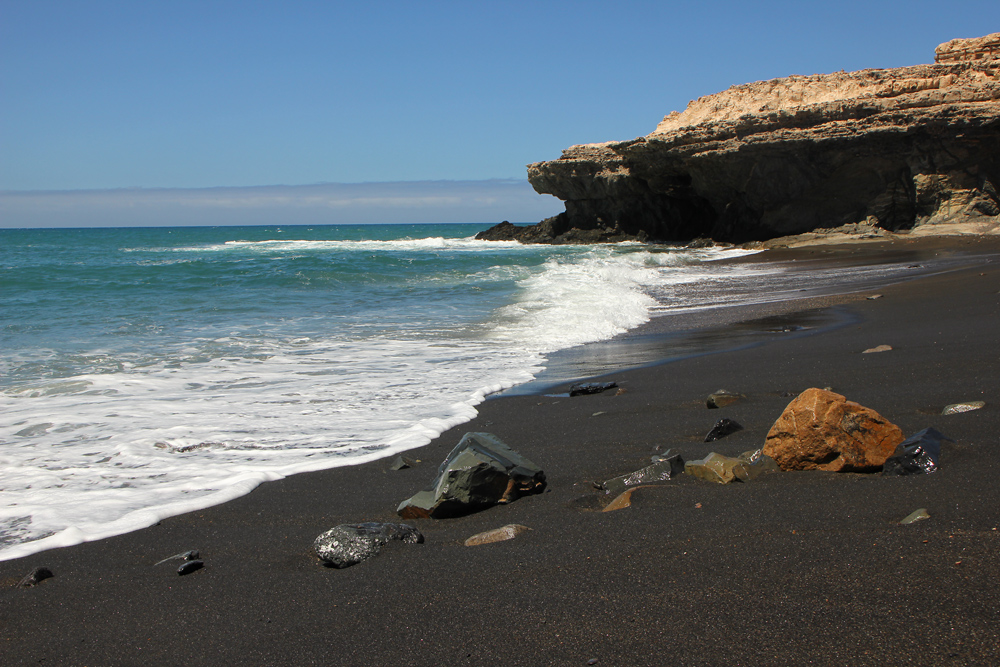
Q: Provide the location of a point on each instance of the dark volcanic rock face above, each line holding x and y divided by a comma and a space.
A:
895, 148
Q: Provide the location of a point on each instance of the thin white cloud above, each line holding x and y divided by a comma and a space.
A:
327, 203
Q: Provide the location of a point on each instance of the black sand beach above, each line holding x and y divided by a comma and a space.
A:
792, 568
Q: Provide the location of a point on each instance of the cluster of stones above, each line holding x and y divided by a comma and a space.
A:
481, 471
818, 430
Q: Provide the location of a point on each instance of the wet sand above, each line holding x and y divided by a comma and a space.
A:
793, 568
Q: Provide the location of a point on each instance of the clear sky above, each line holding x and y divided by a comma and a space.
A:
157, 94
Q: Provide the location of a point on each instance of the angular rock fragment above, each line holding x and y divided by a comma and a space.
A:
755, 463
401, 463
621, 501
714, 468
722, 398
957, 408
670, 465
722, 428
508, 532
920, 453
821, 430
349, 544
878, 348
33, 578
480, 471
913, 517
584, 388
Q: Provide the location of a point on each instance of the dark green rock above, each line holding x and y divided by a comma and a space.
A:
480, 471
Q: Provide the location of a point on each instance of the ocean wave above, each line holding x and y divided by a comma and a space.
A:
303, 245
170, 387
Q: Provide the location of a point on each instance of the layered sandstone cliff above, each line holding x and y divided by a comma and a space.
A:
896, 148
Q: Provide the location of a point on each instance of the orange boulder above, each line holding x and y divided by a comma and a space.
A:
821, 430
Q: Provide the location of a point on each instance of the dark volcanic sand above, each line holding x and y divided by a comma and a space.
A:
794, 568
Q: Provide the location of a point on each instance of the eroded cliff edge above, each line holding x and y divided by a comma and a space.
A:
895, 148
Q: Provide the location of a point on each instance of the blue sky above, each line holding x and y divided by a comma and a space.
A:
106, 95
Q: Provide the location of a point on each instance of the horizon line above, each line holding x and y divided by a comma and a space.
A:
134, 188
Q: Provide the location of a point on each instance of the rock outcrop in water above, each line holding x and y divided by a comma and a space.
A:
891, 148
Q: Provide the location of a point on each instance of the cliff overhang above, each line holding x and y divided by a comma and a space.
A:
892, 149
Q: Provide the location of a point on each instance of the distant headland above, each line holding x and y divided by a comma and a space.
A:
910, 149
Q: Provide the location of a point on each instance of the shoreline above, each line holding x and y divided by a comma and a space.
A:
733, 326
752, 570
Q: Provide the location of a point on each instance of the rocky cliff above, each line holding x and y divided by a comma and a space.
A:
896, 148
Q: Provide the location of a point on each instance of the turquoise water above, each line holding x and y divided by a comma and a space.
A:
148, 372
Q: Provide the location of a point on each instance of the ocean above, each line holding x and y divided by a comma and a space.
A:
149, 372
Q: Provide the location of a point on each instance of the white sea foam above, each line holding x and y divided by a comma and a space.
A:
419, 244
131, 436
103, 454
140, 435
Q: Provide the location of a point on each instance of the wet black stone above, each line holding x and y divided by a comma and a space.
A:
35, 576
190, 566
583, 388
349, 544
722, 428
918, 454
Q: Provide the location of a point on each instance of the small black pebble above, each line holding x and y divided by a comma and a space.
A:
35, 576
592, 661
190, 566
